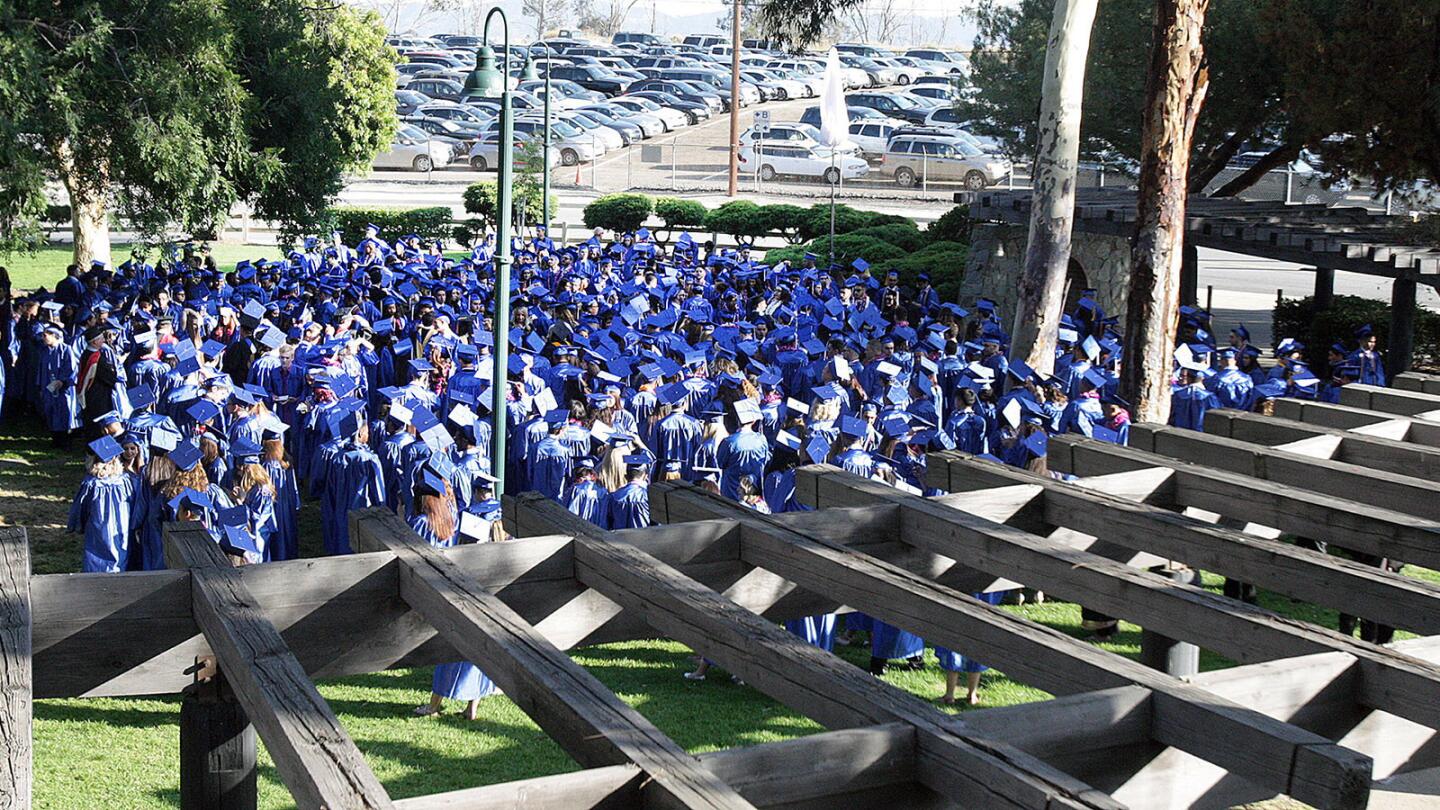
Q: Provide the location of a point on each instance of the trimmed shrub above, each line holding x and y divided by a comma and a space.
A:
793, 254
952, 226
850, 246
428, 223
788, 220
678, 213
618, 212
905, 236
737, 218
1297, 318
480, 200
944, 261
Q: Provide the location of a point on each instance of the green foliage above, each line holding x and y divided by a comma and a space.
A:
1297, 318
525, 206
943, 261
952, 226
169, 111
793, 254
851, 246
618, 212
428, 223
905, 236
736, 218
678, 213
788, 220
817, 220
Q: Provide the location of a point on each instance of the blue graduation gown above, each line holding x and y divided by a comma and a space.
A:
590, 501
260, 506
969, 430
856, 461
353, 480
817, 630
888, 641
147, 552
743, 453
1372, 368
60, 408
779, 492
630, 506
460, 680
284, 544
1188, 404
675, 438
102, 512
550, 468
1081, 415
1232, 388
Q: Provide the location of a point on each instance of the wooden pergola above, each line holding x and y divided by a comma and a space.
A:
1325, 239
1307, 713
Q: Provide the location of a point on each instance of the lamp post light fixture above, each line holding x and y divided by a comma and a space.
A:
545, 155
488, 81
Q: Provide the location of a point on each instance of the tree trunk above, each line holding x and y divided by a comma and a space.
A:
1174, 91
1052, 210
89, 207
1279, 157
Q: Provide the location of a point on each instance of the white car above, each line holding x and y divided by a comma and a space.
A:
796, 134
904, 73
485, 154
413, 148
672, 118
871, 136
799, 160
650, 125
608, 138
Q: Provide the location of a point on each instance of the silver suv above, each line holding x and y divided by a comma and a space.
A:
912, 159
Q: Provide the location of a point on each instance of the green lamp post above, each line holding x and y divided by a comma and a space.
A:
545, 155
487, 81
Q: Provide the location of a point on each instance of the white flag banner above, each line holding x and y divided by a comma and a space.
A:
834, 115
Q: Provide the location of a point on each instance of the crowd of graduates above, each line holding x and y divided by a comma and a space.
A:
361, 377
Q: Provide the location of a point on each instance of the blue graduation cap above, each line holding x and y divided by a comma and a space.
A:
245, 451
203, 410
817, 449
851, 426
212, 348
1104, 434
191, 498
1037, 443
1091, 347
1095, 378
746, 411
1241, 332
1364, 331
1271, 389
163, 440
105, 448
141, 396
860, 265
239, 538
786, 439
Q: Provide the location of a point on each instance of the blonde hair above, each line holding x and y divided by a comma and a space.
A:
107, 469
248, 477
824, 410
274, 450
611, 470
714, 429
193, 478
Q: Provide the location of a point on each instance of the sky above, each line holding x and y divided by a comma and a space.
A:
918, 22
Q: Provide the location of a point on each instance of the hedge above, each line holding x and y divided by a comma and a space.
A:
1297, 318
618, 212
952, 226
943, 261
678, 213
906, 236
429, 223
736, 218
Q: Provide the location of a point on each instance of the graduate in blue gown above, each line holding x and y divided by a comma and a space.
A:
954, 663
744, 452
1189, 400
1371, 364
587, 498
56, 369
550, 460
352, 479
284, 544
630, 504
252, 488
436, 520
1232, 387
102, 509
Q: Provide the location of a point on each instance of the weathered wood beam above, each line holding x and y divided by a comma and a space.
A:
974, 772
1375, 452
1338, 479
1395, 683
1348, 523
586, 719
1417, 381
1361, 421
866, 767
1391, 400
16, 772
1268, 752
315, 757
1334, 582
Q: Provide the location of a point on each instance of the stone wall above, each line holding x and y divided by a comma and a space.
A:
992, 268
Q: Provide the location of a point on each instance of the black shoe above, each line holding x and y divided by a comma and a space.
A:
915, 662
877, 666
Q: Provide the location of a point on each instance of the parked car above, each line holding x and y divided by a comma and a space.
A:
795, 134
954, 62
876, 74
771, 87
940, 93
892, 105
559, 99
649, 124
802, 160
628, 131
871, 137
407, 101
591, 77
438, 88
719, 79
703, 40
460, 131
484, 154
639, 38
683, 90
609, 138
930, 158
671, 118
412, 148
460, 113
811, 116
694, 111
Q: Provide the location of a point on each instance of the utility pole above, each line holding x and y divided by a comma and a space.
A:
652, 15
734, 98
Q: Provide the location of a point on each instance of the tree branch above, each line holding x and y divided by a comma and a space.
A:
1278, 157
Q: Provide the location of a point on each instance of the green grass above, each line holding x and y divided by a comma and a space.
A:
46, 266
124, 753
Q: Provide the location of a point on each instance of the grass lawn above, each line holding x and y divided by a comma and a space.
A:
125, 753
46, 266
